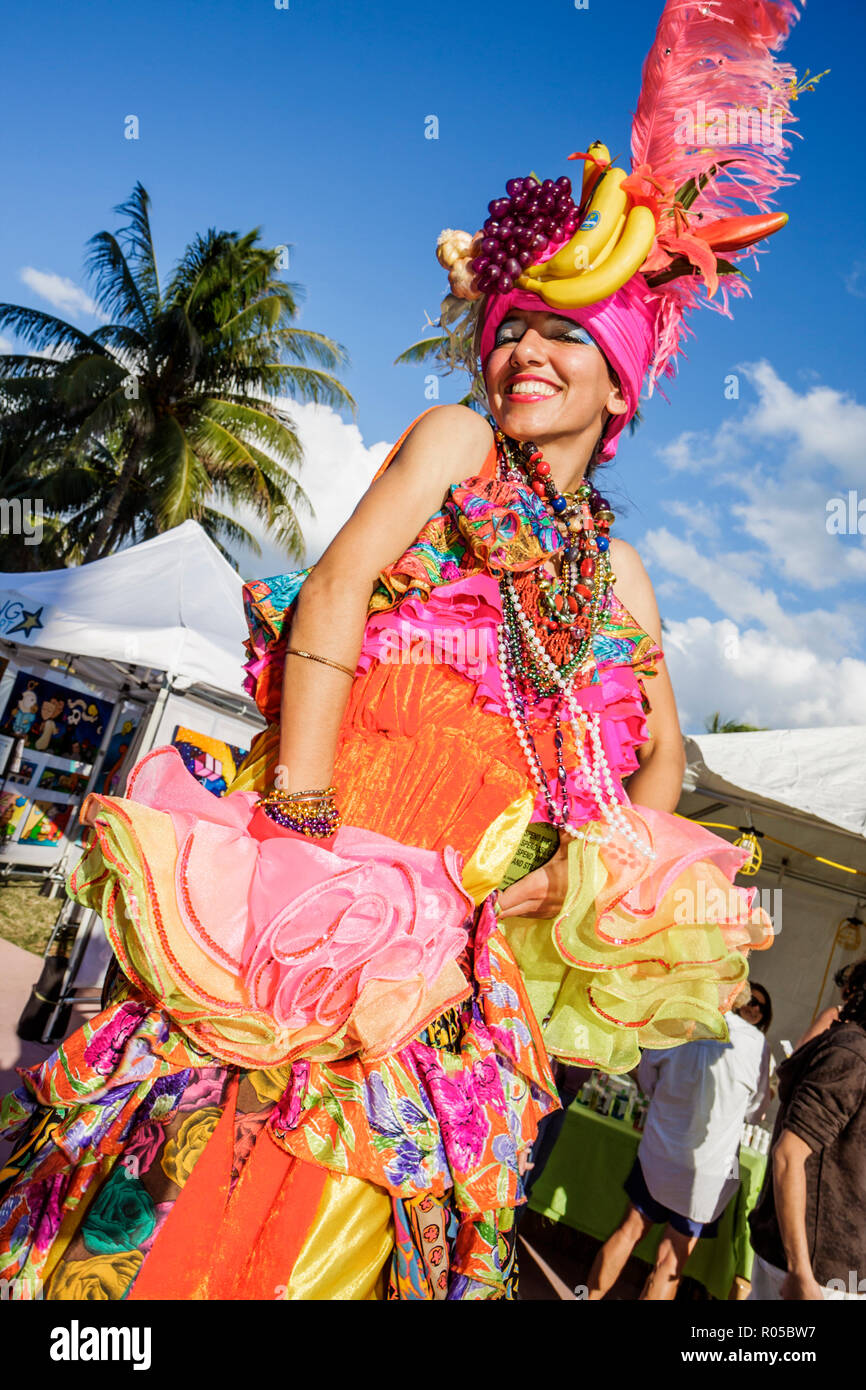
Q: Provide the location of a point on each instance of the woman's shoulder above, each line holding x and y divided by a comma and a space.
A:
633, 587
626, 560
455, 421
452, 438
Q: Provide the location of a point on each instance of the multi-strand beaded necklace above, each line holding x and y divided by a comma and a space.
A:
546, 636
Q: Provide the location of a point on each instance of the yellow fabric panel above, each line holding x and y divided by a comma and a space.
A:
486, 869
344, 1254
256, 772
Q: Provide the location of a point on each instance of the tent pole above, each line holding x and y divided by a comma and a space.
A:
85, 919
149, 731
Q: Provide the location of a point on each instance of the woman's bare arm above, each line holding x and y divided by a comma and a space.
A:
658, 781
790, 1153
447, 445
821, 1024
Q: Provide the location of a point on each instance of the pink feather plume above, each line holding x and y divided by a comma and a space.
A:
712, 91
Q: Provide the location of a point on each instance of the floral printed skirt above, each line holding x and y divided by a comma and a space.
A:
146, 1170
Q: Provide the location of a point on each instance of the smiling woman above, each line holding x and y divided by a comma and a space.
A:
548, 380
329, 1055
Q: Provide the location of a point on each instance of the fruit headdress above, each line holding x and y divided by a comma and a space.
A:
629, 254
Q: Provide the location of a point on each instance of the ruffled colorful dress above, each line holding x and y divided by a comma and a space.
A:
325, 1057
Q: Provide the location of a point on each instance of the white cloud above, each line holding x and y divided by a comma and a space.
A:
758, 678
699, 518
61, 293
822, 426
338, 468
762, 555
695, 451
855, 280
791, 525
727, 579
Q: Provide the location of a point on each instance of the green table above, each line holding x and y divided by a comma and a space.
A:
582, 1185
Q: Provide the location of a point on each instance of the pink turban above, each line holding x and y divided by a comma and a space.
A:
623, 326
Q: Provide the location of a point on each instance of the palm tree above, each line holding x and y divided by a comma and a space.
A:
452, 349
716, 725
168, 410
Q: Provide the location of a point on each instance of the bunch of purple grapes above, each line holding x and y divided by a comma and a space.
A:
518, 229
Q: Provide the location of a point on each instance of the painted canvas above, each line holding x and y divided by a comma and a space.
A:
52, 718
212, 761
45, 823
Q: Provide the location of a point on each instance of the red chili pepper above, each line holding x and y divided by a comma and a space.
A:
735, 233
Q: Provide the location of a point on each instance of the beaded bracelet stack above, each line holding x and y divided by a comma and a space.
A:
311, 813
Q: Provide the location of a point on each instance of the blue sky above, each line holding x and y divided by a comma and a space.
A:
309, 122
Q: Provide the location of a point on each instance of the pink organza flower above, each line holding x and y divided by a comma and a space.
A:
371, 911
357, 932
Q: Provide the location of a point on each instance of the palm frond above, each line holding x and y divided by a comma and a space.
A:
304, 346
128, 345
137, 239
14, 365
258, 426
217, 524
425, 350
306, 384
44, 332
115, 289
179, 479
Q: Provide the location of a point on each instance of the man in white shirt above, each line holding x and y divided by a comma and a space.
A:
687, 1166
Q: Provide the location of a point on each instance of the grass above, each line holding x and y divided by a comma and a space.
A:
26, 919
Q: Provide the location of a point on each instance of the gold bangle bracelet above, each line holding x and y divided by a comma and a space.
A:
303, 796
326, 661
276, 797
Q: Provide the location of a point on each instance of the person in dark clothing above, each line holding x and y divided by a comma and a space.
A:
809, 1225
568, 1083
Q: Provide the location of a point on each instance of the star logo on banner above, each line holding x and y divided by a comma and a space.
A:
27, 623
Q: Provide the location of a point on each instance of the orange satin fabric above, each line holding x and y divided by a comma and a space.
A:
405, 731
243, 1246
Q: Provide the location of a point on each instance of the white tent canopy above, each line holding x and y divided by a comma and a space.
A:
804, 792
171, 604
817, 772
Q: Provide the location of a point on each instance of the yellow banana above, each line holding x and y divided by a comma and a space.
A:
607, 206
627, 257
605, 252
591, 171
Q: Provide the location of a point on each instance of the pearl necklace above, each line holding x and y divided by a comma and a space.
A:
593, 760
583, 520
596, 768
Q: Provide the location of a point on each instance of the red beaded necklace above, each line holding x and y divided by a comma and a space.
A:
564, 613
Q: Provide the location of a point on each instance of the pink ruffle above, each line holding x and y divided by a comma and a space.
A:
256, 665
307, 925
457, 624
641, 885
